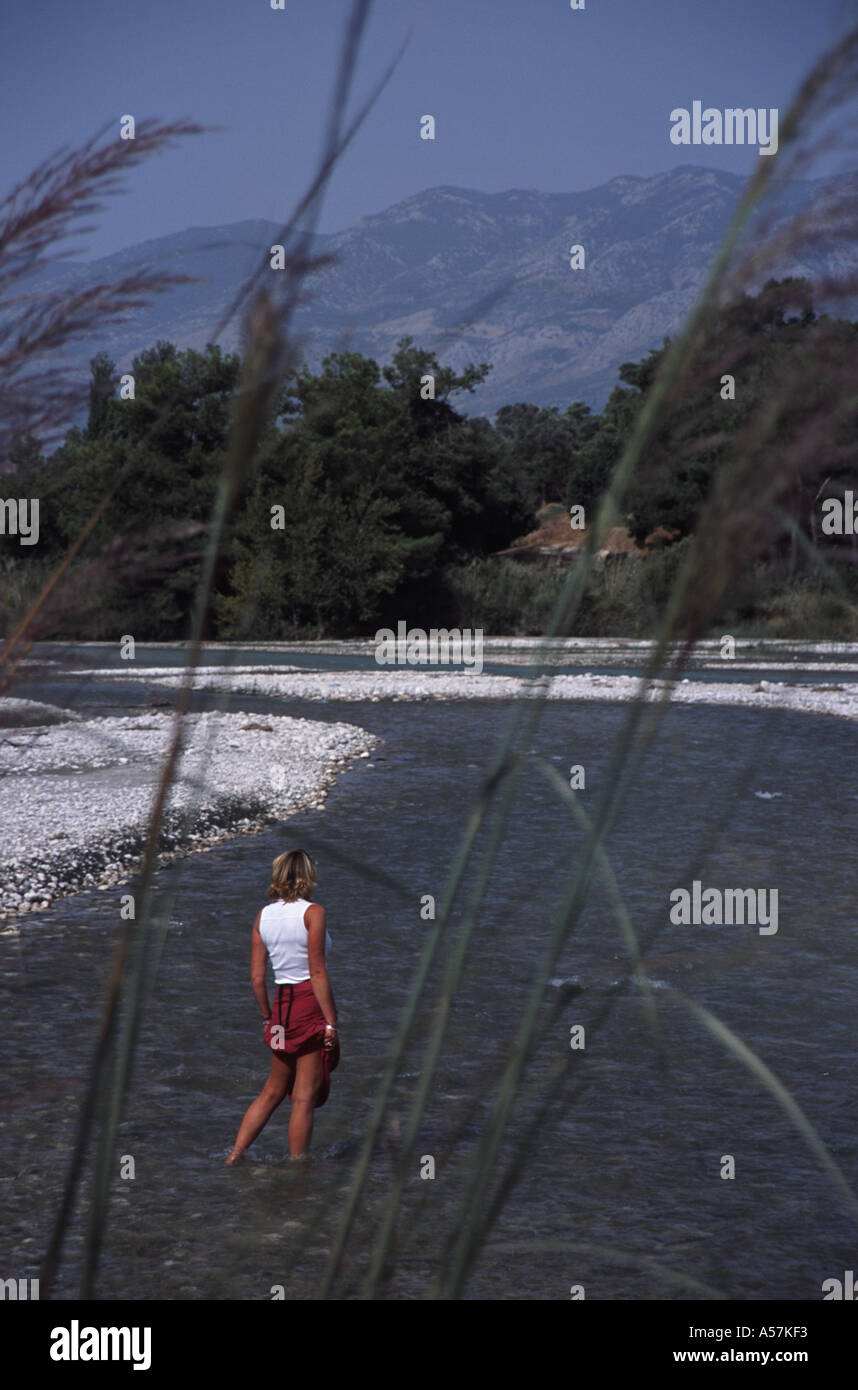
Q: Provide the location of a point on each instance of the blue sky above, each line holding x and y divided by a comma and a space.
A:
526, 94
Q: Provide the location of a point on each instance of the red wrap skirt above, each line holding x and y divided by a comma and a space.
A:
297, 1026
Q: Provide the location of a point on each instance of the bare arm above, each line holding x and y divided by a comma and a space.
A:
314, 921
258, 960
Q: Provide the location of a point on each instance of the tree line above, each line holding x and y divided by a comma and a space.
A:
376, 497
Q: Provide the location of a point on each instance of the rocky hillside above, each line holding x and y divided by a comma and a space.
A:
477, 276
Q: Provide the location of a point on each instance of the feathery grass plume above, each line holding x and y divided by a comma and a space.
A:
269, 355
257, 302
832, 74
722, 531
773, 467
36, 220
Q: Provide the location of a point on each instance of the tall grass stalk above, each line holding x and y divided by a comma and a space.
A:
268, 358
764, 1074
558, 1079
673, 374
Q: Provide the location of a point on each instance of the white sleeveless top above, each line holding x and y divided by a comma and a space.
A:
281, 927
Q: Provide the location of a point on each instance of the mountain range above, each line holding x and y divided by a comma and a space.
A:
474, 276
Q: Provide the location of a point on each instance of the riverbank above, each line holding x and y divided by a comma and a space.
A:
77, 796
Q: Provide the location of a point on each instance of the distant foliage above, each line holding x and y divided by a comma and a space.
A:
373, 498
502, 597
768, 340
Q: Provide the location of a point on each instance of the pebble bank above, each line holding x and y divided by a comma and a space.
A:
77, 796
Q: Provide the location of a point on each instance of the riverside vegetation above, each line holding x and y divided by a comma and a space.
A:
370, 501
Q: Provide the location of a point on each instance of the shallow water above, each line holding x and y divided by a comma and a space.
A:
767, 662
628, 1156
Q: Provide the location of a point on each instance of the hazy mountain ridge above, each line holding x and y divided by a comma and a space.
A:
553, 334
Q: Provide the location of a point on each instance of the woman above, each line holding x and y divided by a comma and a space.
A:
301, 1030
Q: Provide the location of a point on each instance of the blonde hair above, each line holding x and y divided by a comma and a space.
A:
293, 876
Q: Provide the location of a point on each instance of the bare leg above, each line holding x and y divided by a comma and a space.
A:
260, 1111
308, 1079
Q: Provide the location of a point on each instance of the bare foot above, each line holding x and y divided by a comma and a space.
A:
236, 1156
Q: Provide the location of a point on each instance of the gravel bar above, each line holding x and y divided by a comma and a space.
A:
77, 797
81, 792
451, 684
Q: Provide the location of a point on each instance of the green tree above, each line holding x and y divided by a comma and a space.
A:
546, 448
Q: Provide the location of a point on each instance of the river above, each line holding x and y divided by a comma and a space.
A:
622, 1181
